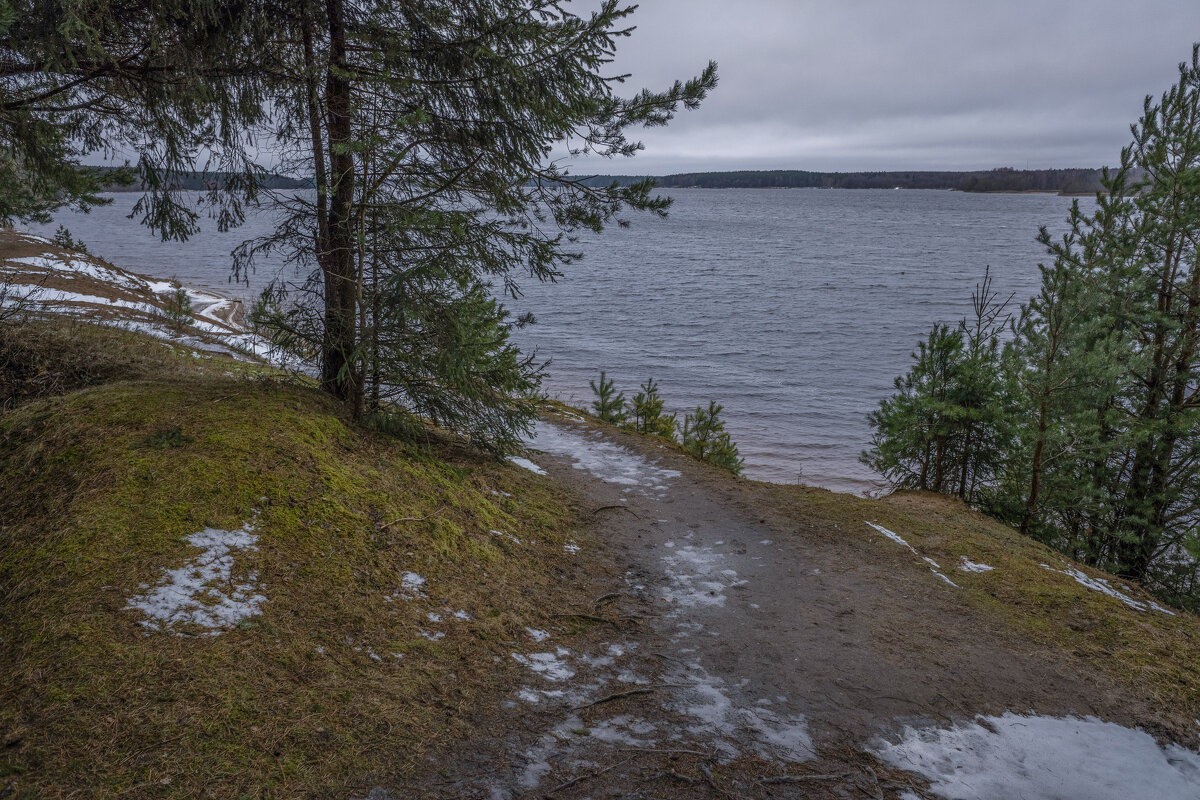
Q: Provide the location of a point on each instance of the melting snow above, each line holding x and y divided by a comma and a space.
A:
551, 666
527, 464
605, 460
504, 535
537, 635
967, 565
202, 592
934, 567
895, 537
411, 583
696, 577
1045, 758
767, 733
1101, 585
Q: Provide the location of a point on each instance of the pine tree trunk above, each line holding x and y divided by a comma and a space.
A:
339, 373
1035, 478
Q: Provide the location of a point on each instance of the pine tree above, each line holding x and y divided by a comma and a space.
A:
704, 435
609, 404
174, 82
428, 128
646, 409
947, 427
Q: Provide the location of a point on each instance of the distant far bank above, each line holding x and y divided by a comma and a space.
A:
1004, 179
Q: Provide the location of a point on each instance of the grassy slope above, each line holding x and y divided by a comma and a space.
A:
101, 486
1154, 655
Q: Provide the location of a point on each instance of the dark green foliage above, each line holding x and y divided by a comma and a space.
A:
427, 128
647, 412
945, 428
609, 404
1098, 450
64, 239
167, 81
704, 435
178, 307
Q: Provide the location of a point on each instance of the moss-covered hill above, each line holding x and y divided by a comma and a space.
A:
348, 671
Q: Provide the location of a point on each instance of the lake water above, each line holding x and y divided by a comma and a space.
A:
795, 309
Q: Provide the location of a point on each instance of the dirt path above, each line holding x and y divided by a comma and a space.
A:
734, 653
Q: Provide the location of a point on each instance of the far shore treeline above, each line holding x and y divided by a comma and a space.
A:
1003, 179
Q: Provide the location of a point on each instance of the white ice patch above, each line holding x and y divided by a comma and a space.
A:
411, 583
462, 615
943, 577
623, 730
551, 666
1045, 758
967, 565
697, 577
934, 567
572, 548
527, 464
537, 635
1101, 585
202, 592
769, 734
605, 460
504, 535
895, 537
433, 637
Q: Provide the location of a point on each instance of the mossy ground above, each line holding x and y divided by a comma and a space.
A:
101, 485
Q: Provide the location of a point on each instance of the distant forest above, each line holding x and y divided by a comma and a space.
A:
199, 181
1004, 179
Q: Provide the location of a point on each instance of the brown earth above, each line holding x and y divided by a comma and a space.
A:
723, 615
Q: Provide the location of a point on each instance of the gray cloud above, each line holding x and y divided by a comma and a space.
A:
924, 84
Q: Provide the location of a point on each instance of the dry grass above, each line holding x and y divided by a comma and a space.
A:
101, 486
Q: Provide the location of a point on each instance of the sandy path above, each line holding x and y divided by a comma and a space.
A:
747, 648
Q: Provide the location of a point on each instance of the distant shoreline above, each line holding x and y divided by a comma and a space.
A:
1069, 182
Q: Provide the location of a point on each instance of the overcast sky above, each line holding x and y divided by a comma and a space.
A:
908, 84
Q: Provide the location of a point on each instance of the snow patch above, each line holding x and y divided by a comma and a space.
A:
1044, 758
967, 565
551, 666
410, 585
768, 734
605, 460
202, 591
1104, 587
537, 635
895, 537
527, 464
697, 577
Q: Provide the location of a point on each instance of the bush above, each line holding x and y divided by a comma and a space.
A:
609, 404
704, 436
648, 414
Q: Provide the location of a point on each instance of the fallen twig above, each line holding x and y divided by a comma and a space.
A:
603, 597
615, 505
767, 781
588, 777
410, 519
617, 696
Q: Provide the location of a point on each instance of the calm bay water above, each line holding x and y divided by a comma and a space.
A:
795, 309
